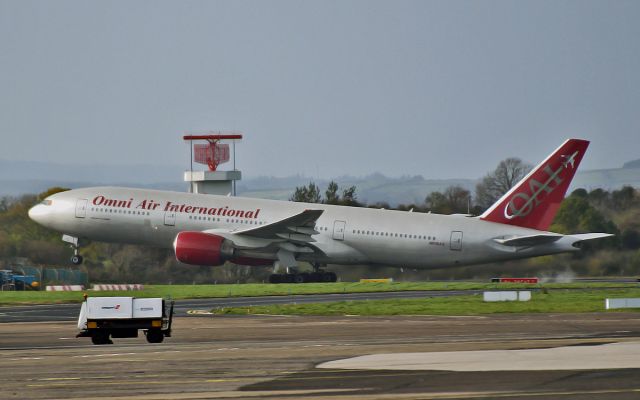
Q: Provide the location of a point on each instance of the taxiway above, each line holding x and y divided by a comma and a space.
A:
270, 357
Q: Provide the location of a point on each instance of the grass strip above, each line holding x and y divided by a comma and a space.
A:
261, 289
553, 301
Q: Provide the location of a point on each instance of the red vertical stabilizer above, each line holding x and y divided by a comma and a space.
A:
535, 200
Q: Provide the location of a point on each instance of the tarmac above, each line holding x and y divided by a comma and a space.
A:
277, 357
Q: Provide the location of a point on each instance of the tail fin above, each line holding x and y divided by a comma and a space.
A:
534, 201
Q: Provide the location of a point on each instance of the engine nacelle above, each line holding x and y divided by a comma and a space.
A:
199, 248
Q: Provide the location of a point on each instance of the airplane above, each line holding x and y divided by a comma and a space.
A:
210, 230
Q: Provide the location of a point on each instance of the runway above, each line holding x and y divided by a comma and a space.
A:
69, 312
224, 357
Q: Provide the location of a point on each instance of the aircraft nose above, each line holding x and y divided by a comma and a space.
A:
37, 212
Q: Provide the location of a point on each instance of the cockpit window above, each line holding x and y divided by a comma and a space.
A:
46, 202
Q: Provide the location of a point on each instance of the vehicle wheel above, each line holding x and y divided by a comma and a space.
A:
100, 338
155, 336
299, 278
275, 278
76, 260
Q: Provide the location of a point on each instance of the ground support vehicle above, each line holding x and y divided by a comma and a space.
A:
10, 280
103, 318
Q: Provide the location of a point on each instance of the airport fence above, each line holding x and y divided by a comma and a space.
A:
55, 276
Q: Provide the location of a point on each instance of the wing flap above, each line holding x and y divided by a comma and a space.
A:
288, 246
296, 237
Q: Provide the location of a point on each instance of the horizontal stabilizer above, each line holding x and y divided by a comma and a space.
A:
581, 237
530, 240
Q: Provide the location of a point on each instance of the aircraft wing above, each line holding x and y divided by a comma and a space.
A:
292, 233
299, 226
530, 240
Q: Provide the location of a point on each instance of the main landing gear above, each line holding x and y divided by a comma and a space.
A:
293, 276
74, 243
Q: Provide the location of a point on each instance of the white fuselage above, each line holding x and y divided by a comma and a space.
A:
346, 235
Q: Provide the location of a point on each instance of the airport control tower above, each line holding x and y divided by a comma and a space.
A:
213, 153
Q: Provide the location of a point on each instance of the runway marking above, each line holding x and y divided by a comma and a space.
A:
104, 355
227, 394
59, 379
26, 358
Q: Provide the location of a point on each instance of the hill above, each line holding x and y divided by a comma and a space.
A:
17, 178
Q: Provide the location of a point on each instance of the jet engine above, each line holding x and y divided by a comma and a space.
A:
199, 248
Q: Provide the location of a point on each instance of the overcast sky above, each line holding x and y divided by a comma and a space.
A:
444, 89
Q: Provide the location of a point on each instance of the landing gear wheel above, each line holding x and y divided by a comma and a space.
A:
305, 277
76, 259
320, 275
155, 336
315, 277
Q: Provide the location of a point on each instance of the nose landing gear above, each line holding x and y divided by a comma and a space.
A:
74, 243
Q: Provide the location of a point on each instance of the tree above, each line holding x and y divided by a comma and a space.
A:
630, 239
307, 194
454, 200
577, 215
580, 193
624, 198
349, 197
50, 191
331, 196
495, 184
599, 197
437, 203
311, 194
